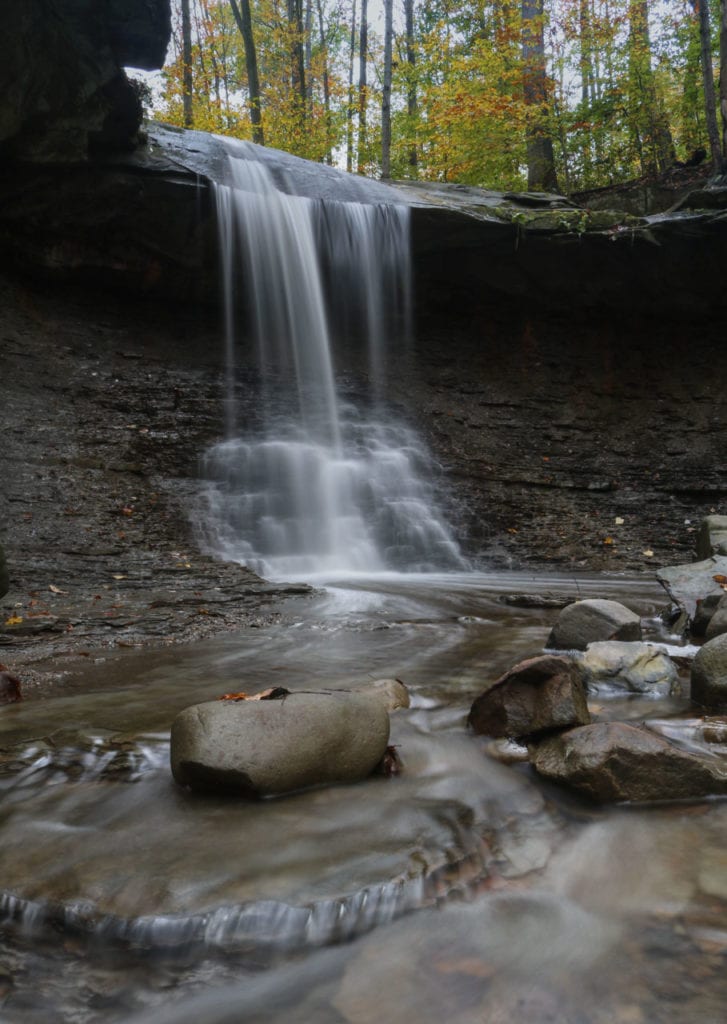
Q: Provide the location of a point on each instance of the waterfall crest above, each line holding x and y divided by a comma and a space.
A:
321, 485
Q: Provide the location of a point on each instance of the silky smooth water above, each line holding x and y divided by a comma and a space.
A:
322, 485
464, 889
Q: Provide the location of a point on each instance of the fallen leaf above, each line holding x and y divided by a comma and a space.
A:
619, 520
14, 620
127, 511
720, 578
608, 540
648, 553
56, 590
234, 696
119, 576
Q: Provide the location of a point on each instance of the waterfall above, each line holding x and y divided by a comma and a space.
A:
318, 485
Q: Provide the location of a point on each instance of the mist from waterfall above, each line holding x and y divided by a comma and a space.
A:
320, 485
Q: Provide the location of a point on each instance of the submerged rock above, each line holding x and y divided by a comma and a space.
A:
585, 622
618, 667
284, 742
535, 696
709, 673
613, 761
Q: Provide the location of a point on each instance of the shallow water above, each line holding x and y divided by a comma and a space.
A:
464, 888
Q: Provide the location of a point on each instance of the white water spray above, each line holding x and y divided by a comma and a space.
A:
321, 488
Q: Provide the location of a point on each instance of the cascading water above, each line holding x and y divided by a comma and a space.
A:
320, 487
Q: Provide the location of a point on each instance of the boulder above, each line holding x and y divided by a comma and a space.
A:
613, 761
585, 622
533, 697
709, 673
703, 613
712, 537
690, 583
267, 747
4, 575
717, 623
614, 667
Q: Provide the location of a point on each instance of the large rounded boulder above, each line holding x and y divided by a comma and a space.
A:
709, 673
586, 622
613, 668
272, 746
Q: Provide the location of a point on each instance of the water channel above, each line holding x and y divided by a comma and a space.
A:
462, 889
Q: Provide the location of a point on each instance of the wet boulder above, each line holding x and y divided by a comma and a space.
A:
703, 614
287, 742
709, 673
535, 696
613, 761
586, 622
717, 624
690, 583
712, 537
615, 667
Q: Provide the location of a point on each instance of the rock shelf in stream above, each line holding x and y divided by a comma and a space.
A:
279, 742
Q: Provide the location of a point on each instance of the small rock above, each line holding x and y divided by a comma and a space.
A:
709, 673
534, 696
613, 667
704, 611
712, 537
9, 686
584, 622
718, 620
613, 761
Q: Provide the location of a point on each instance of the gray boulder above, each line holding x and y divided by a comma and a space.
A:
703, 614
709, 673
712, 537
690, 583
533, 697
613, 667
585, 622
613, 761
717, 623
267, 747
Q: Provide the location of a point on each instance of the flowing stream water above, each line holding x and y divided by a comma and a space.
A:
462, 890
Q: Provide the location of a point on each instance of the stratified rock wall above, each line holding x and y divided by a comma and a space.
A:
63, 88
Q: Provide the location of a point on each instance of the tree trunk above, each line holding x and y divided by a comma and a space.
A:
540, 156
412, 104
723, 73
187, 84
297, 55
710, 100
652, 133
349, 110
308, 54
326, 84
243, 18
386, 95
362, 87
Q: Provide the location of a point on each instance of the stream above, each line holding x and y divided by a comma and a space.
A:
463, 889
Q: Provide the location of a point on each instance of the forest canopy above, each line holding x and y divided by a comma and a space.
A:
546, 94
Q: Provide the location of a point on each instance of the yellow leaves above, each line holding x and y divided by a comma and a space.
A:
14, 620
721, 580
608, 541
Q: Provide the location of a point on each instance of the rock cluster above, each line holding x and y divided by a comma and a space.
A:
541, 702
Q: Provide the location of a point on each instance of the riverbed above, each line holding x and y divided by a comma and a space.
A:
463, 889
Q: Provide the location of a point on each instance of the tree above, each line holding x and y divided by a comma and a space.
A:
723, 71
540, 156
362, 86
710, 102
243, 19
412, 103
386, 100
187, 82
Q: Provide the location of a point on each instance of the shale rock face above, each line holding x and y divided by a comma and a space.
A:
712, 538
535, 696
64, 91
4, 577
585, 622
